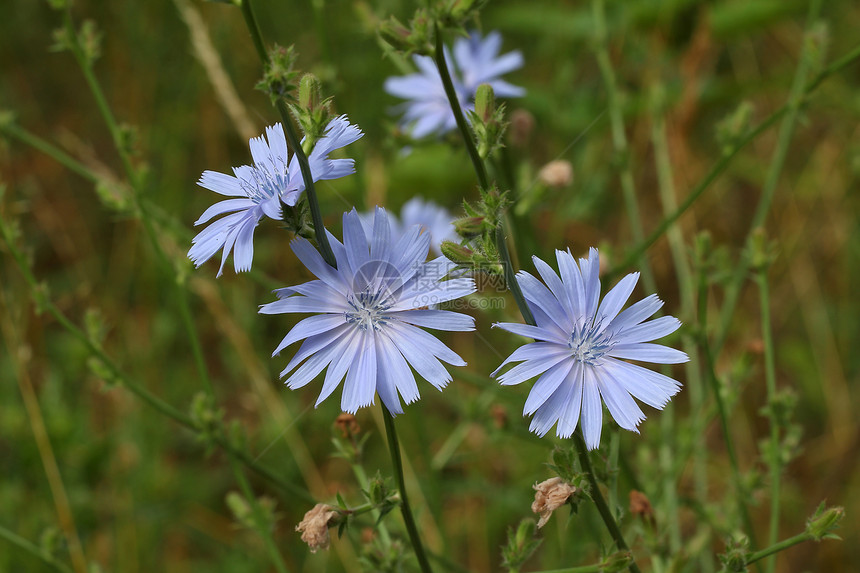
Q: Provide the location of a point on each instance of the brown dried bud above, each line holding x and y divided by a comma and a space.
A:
522, 125
556, 174
550, 495
314, 526
641, 505
347, 425
499, 415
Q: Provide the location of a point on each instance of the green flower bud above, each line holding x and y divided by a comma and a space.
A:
824, 521
485, 102
457, 253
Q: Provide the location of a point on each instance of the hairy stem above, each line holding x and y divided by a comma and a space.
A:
454, 102
293, 140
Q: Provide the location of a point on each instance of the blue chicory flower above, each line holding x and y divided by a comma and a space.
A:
433, 218
259, 190
579, 349
371, 308
476, 61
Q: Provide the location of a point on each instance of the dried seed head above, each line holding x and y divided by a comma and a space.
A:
550, 495
314, 526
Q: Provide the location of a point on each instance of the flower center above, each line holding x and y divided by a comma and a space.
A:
588, 343
267, 180
368, 310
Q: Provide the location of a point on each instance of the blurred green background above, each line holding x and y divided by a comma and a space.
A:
144, 493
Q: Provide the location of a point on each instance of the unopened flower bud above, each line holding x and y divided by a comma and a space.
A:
485, 102
556, 174
395, 33
314, 526
310, 92
618, 561
550, 495
468, 227
456, 253
824, 521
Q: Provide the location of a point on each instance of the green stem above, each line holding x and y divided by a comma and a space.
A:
293, 140
770, 381
666, 186
711, 375
454, 102
777, 547
406, 510
786, 131
122, 379
619, 139
602, 506
510, 276
726, 159
52, 151
259, 518
33, 549
137, 190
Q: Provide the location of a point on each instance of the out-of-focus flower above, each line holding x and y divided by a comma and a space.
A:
432, 218
371, 308
475, 61
259, 190
557, 174
581, 344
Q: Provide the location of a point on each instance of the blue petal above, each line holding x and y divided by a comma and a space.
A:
310, 326
359, 388
592, 409
650, 387
347, 348
648, 331
546, 385
438, 319
530, 331
647, 352
615, 299
569, 416
621, 405
221, 183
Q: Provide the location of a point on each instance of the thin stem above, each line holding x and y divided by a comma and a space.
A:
454, 102
686, 286
122, 379
259, 518
786, 131
711, 375
602, 506
510, 276
137, 191
50, 150
33, 549
293, 140
726, 159
770, 380
406, 510
619, 139
777, 547
43, 443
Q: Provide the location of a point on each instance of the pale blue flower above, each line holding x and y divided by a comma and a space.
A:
367, 313
580, 346
476, 61
259, 190
432, 218
437, 220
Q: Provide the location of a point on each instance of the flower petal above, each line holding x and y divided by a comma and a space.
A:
647, 352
